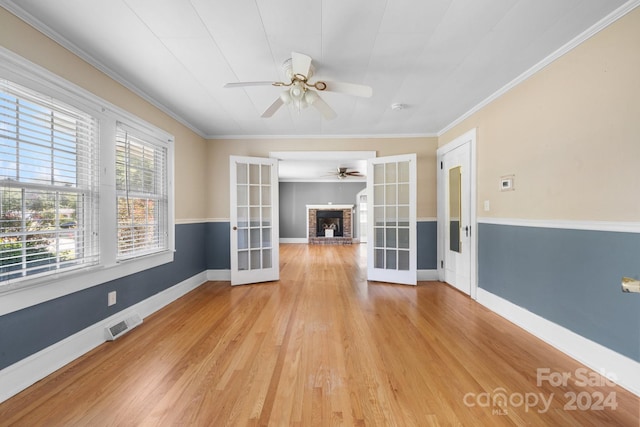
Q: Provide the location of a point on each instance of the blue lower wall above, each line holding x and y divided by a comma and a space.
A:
217, 245
570, 277
427, 241
25, 332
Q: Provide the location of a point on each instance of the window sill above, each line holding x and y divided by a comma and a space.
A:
30, 293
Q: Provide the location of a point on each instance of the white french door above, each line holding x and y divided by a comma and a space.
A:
254, 220
391, 247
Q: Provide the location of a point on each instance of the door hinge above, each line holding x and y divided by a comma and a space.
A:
441, 166
441, 263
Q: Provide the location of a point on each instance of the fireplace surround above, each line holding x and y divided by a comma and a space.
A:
336, 218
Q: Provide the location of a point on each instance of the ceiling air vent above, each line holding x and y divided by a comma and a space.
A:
123, 326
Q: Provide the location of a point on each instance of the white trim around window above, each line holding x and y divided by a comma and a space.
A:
27, 292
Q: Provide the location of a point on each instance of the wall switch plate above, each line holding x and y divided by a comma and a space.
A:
111, 298
487, 206
630, 285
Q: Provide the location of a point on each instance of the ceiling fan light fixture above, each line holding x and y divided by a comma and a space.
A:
285, 96
310, 97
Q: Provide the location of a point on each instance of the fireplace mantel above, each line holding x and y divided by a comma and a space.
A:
329, 207
347, 237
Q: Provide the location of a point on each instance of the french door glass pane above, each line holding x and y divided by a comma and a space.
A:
391, 238
390, 196
390, 173
378, 173
266, 217
403, 216
266, 258
255, 238
254, 195
243, 238
391, 216
266, 174
403, 194
255, 216
243, 260
379, 238
379, 258
242, 195
403, 172
266, 195
391, 259
256, 259
266, 237
241, 172
403, 260
254, 174
403, 238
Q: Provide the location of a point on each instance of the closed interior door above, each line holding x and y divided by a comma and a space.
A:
458, 229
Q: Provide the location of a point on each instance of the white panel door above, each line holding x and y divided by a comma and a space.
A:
391, 247
457, 232
254, 220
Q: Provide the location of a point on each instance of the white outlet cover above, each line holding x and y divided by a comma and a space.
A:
111, 298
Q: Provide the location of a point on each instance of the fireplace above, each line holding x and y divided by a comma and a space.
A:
329, 224
329, 220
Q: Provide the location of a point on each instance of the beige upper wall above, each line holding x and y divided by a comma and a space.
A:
190, 148
570, 134
220, 150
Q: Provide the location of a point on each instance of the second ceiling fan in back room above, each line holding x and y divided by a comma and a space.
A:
301, 92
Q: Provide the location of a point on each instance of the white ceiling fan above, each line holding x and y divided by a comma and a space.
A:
300, 91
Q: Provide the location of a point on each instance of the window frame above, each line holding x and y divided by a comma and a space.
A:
34, 142
26, 292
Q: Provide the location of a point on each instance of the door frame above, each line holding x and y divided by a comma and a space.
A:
468, 137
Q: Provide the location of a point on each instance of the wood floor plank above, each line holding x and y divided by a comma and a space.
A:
321, 346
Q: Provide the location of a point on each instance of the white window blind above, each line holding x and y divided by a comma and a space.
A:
49, 162
142, 193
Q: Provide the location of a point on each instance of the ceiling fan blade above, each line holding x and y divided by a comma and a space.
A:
245, 84
273, 108
349, 89
326, 111
300, 63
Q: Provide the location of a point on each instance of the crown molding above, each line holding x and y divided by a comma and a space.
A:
575, 42
73, 48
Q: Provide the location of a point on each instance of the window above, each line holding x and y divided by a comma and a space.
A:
86, 188
48, 184
141, 188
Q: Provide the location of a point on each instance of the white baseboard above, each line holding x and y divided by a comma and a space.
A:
28, 371
225, 275
294, 240
219, 275
593, 355
427, 275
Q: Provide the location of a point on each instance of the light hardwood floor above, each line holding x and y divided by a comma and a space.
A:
320, 347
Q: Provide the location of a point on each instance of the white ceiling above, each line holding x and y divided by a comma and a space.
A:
439, 57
